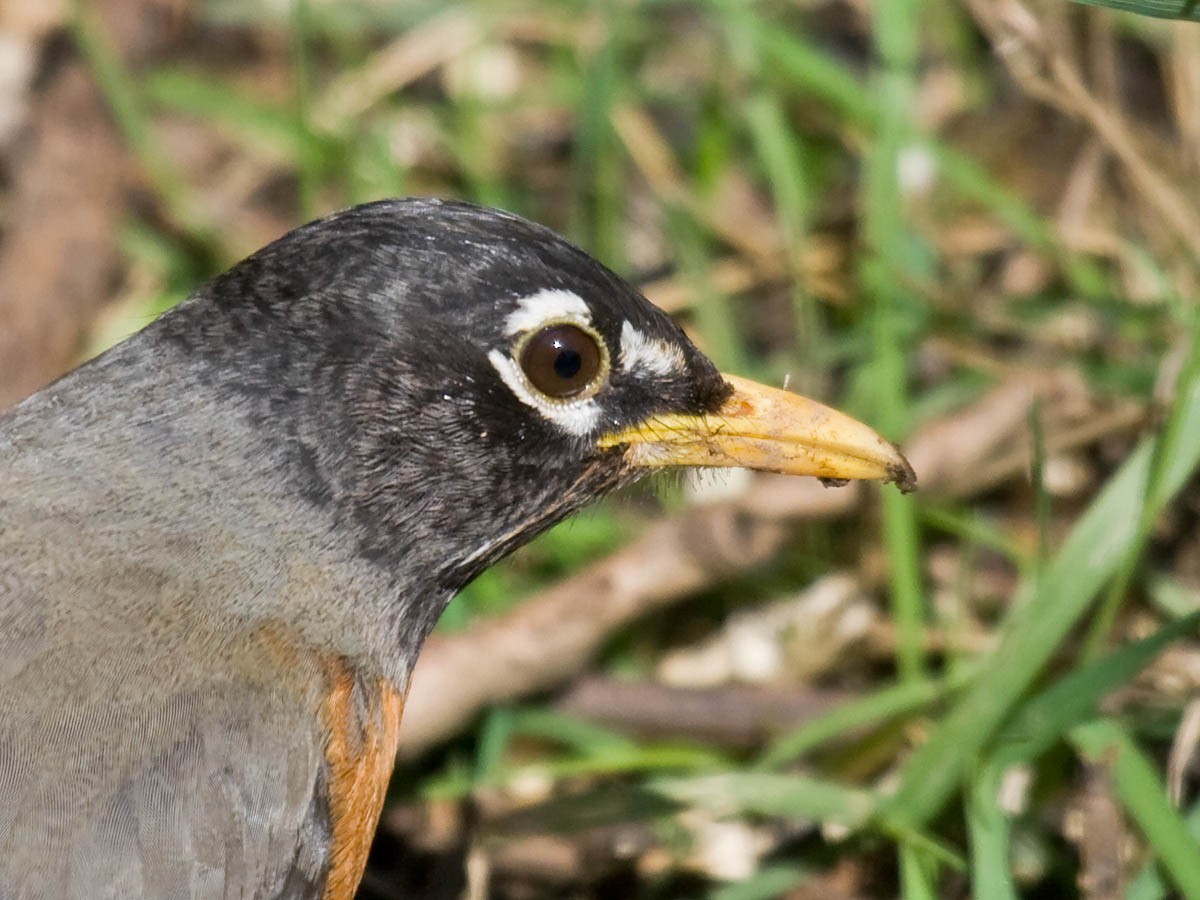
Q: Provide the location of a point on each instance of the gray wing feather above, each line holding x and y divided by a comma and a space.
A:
148, 747
205, 792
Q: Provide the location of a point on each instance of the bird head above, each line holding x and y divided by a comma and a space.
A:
452, 380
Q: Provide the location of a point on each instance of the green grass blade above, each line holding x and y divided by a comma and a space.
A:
800, 62
889, 703
769, 794
579, 735
990, 833
716, 315
259, 123
916, 882
599, 175
1144, 796
1159, 9
308, 161
1040, 723
1073, 698
768, 883
493, 742
974, 183
898, 256
815, 72
782, 158
490, 768
1094, 550
1106, 615
127, 103
648, 758
971, 526
1148, 884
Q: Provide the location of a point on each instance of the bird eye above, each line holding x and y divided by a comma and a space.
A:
562, 360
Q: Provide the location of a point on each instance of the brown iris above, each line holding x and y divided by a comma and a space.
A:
562, 360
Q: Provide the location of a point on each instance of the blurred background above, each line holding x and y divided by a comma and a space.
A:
973, 224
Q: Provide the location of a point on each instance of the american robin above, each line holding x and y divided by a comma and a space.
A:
223, 541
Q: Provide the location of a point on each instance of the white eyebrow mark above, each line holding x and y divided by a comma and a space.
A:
548, 305
575, 417
652, 354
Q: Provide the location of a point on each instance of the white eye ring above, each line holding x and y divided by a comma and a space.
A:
547, 305
578, 414
652, 355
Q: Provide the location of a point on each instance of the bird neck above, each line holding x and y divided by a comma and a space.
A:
205, 509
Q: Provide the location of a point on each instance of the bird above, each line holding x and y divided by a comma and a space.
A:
223, 541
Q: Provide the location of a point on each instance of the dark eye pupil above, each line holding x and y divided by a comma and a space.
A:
568, 363
562, 360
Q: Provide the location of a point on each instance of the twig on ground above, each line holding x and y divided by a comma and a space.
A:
1098, 828
735, 716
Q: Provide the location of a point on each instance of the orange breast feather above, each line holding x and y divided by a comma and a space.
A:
363, 723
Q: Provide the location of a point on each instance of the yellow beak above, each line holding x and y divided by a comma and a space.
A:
768, 429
